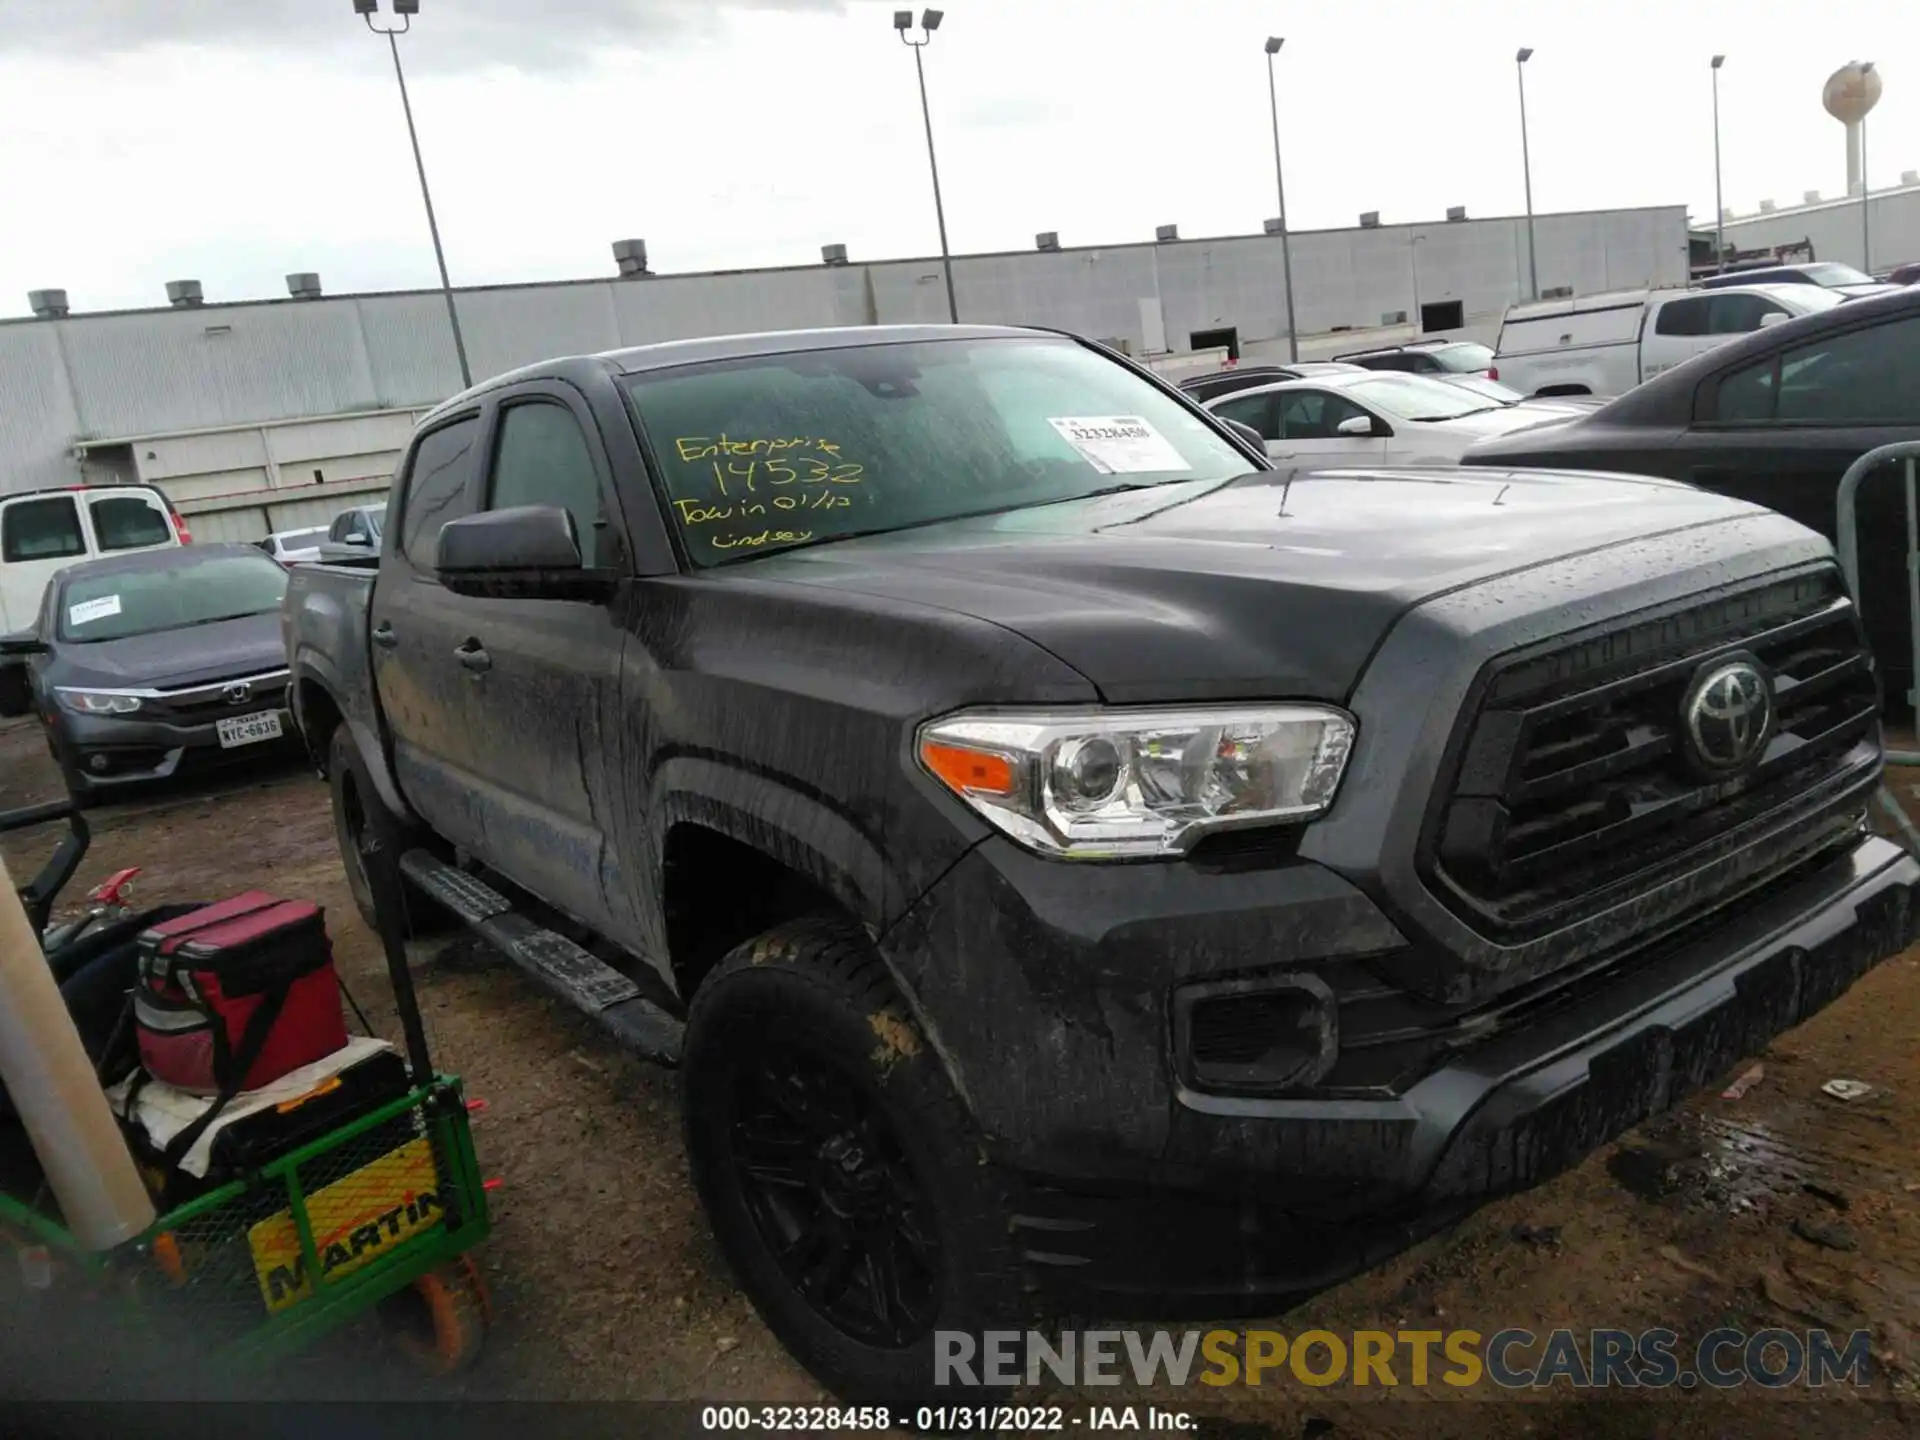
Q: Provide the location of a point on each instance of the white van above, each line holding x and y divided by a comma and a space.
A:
43, 531
1607, 344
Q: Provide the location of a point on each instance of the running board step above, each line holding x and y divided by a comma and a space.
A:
608, 998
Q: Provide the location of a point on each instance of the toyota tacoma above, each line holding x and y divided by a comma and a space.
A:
1074, 862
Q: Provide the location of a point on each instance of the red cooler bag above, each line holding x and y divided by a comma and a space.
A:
233, 996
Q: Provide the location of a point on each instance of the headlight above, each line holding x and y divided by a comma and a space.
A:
1100, 785
98, 702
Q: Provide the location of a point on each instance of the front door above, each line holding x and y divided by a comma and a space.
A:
542, 676
1310, 433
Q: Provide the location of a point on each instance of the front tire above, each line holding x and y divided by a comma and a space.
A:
843, 1178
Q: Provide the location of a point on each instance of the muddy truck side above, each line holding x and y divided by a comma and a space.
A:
1075, 863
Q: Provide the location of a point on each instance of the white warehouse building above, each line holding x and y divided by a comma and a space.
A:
1886, 234
270, 414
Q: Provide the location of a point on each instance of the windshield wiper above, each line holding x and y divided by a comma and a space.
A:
1435, 419
216, 619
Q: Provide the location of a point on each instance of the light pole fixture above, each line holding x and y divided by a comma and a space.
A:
930, 22
1719, 206
1520, 59
1274, 42
404, 11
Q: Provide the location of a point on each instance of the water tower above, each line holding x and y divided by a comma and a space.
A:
1850, 92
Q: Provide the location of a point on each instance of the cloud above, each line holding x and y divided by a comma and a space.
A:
451, 36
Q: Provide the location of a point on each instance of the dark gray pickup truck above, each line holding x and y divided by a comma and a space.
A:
1074, 862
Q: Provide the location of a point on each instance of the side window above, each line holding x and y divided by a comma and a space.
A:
1254, 410
436, 489
1738, 314
129, 522
1302, 415
1746, 396
1863, 377
41, 529
1339, 409
541, 458
1684, 317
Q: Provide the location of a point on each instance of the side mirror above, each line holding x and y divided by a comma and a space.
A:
1246, 432
1357, 426
1773, 317
21, 645
529, 552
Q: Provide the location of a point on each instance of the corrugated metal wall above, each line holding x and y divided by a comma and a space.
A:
150, 372
1835, 229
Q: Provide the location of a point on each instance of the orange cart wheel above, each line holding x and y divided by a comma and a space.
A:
440, 1321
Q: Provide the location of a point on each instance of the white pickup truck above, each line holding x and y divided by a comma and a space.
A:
1607, 344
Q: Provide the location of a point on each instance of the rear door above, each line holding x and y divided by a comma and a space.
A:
129, 519
415, 627
39, 534
542, 677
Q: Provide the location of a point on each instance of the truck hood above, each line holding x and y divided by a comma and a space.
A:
1277, 584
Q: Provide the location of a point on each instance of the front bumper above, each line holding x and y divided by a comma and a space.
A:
105, 752
1052, 1013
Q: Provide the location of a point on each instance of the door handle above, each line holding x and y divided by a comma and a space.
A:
383, 635
473, 657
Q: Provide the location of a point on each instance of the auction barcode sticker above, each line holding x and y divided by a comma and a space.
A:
1119, 444
88, 610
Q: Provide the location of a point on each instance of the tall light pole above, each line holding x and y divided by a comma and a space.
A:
1526, 167
1274, 42
1866, 190
404, 11
930, 22
1719, 207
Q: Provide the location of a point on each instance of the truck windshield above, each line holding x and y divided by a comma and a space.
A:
775, 451
116, 603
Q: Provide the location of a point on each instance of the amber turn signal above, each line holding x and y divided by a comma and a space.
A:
967, 771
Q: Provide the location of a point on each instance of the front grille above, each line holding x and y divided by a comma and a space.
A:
206, 703
1570, 790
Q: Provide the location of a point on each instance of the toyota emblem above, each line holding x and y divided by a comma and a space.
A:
238, 693
1728, 715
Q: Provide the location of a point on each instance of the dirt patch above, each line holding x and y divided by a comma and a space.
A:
608, 1285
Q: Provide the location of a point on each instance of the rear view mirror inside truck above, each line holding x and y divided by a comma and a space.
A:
529, 552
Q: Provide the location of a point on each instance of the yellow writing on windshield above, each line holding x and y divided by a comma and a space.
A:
708, 447
764, 537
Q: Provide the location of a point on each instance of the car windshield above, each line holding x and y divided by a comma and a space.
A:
777, 451
120, 602
1832, 272
1414, 397
1467, 355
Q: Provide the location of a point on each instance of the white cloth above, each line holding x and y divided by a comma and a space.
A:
163, 1111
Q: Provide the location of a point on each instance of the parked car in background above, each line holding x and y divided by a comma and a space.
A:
1827, 274
144, 665
354, 534
1214, 384
1366, 418
1071, 862
1775, 418
1428, 357
1607, 344
42, 531
295, 547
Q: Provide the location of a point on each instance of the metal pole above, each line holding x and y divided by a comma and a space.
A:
1719, 206
1866, 211
939, 210
1526, 166
1280, 185
433, 226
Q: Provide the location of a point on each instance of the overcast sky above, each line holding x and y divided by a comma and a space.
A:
233, 141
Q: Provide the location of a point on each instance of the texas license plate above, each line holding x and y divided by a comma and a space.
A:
249, 729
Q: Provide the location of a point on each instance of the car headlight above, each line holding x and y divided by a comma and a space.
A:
1102, 785
97, 702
